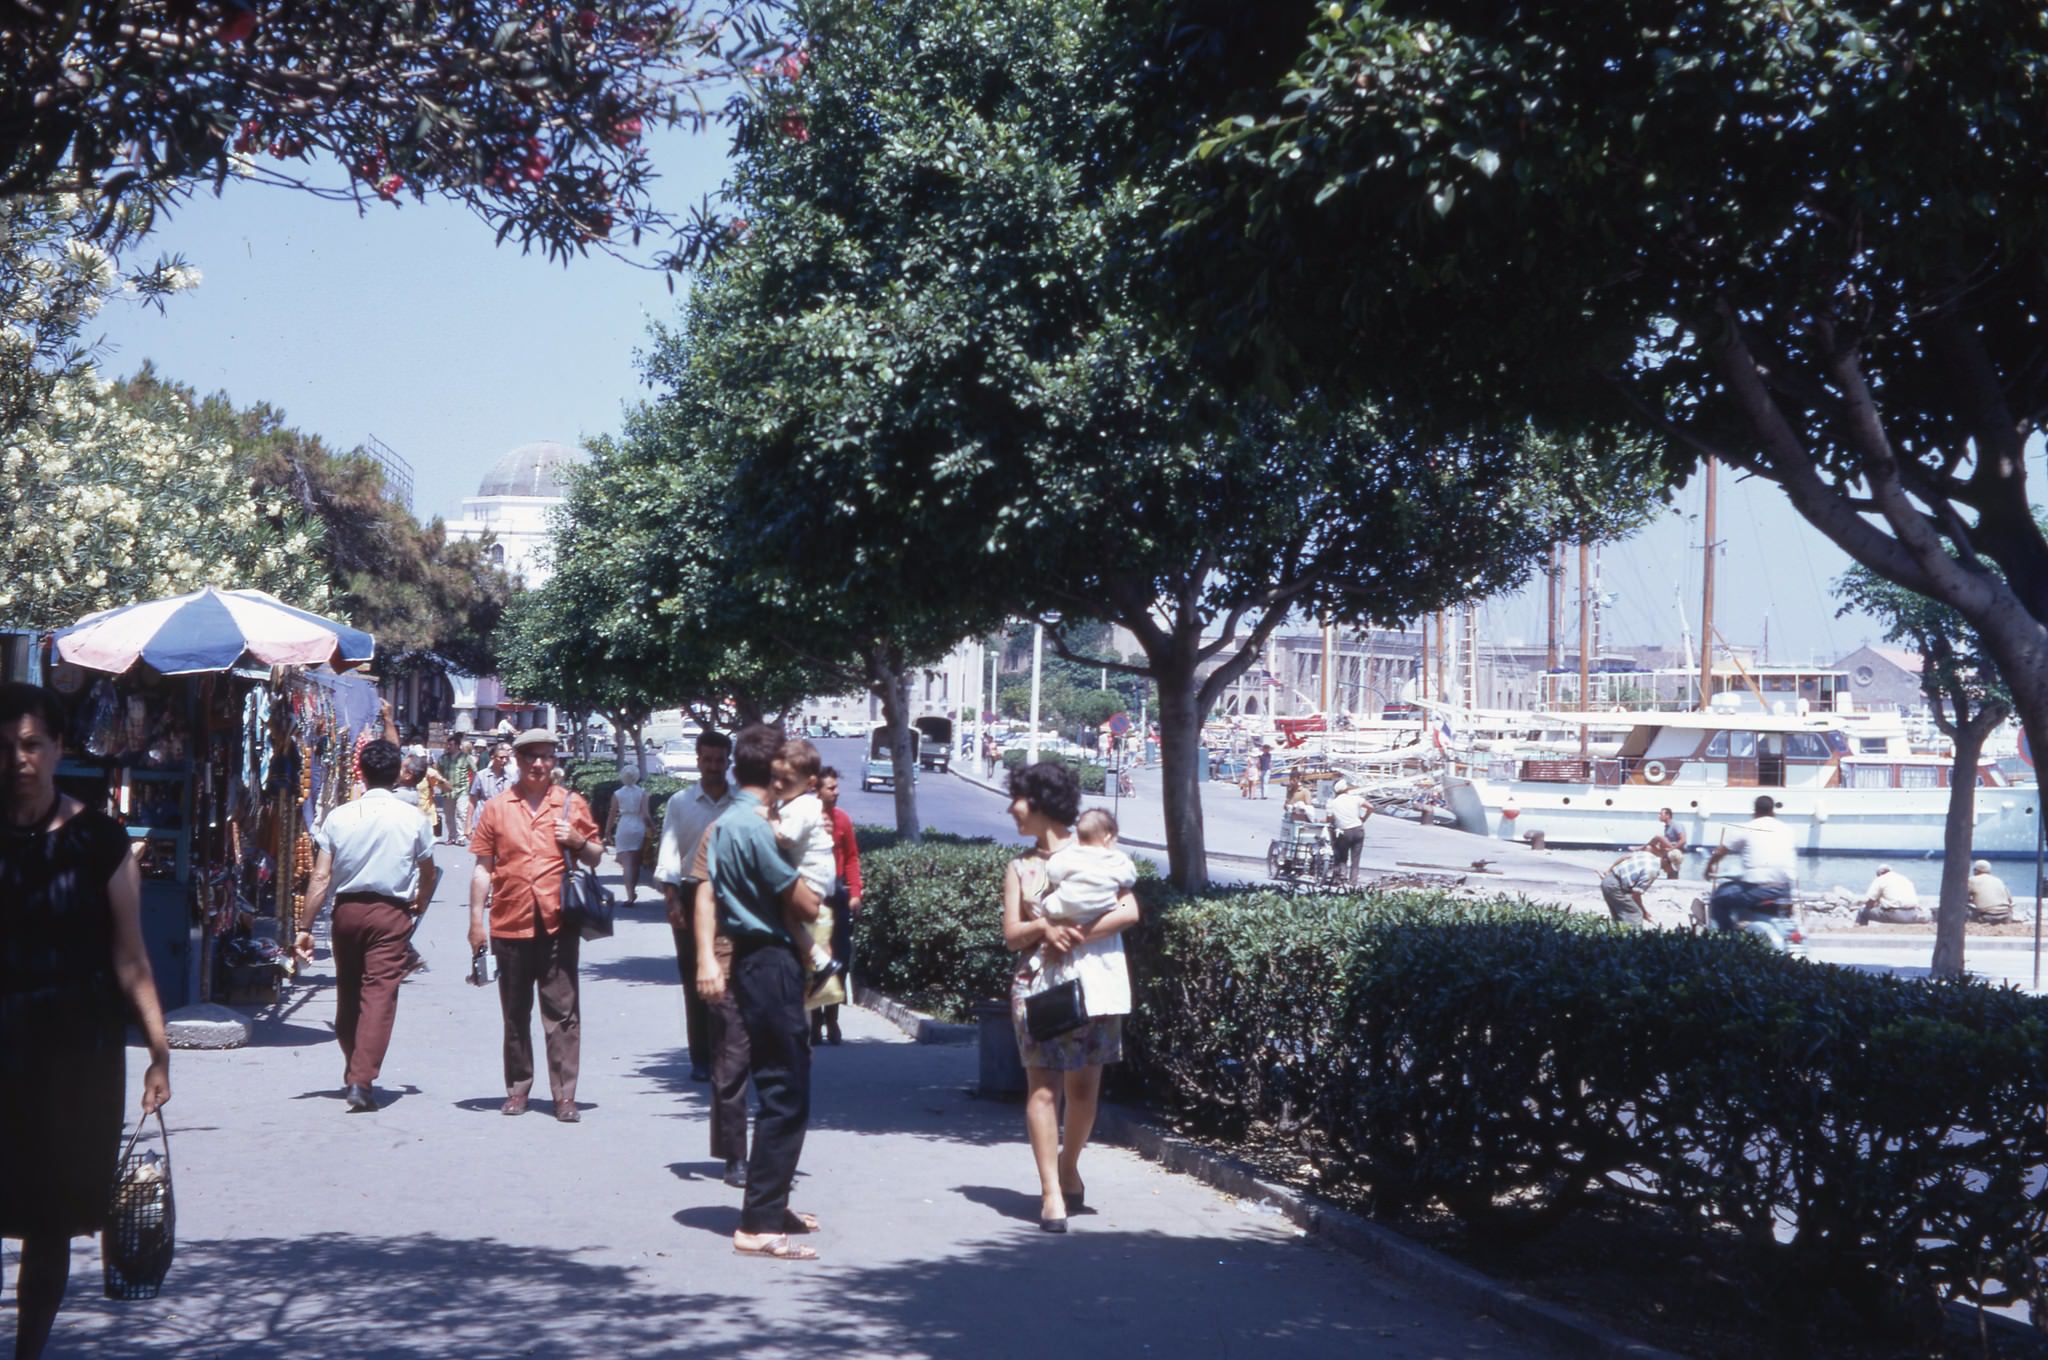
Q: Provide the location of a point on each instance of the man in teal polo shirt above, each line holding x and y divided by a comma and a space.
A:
750, 885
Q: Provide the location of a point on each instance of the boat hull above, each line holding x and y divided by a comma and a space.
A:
1827, 821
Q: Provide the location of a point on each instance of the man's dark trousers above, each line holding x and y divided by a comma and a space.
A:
727, 1039
370, 940
768, 986
696, 1013
545, 964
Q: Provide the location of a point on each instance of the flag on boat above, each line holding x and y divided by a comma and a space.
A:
1444, 735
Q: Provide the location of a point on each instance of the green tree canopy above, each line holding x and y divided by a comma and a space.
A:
926, 372
411, 585
1807, 240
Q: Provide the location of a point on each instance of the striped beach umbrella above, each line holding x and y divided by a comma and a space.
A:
211, 630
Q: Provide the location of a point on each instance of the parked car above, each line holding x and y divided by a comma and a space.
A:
880, 766
679, 756
935, 750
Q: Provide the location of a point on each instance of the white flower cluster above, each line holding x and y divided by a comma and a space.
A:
102, 505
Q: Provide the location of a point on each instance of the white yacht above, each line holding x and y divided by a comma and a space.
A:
1848, 783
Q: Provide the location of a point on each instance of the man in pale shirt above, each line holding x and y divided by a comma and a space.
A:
688, 816
1769, 858
1891, 899
377, 854
1348, 811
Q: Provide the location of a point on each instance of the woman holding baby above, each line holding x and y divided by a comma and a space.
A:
1066, 903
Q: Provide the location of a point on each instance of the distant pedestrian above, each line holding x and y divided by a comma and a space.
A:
1265, 765
456, 766
991, 755
626, 828
1045, 802
1626, 880
751, 891
1668, 829
73, 973
492, 780
1348, 813
845, 901
688, 816
377, 856
520, 844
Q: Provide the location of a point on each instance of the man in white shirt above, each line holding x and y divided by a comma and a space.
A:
1348, 811
1769, 859
377, 854
1891, 899
688, 816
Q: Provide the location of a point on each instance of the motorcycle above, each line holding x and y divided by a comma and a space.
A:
1771, 920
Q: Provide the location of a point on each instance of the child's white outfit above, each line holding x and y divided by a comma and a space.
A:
803, 833
1085, 881
1083, 884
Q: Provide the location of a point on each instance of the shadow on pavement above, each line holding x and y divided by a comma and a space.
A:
1114, 1294
634, 968
1009, 1203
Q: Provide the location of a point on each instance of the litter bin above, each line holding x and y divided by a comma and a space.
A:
1002, 1070
1204, 766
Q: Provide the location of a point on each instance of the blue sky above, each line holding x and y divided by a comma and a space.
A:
407, 323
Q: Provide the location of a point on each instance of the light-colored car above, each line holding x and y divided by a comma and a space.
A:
679, 756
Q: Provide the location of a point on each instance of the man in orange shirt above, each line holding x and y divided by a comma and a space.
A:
521, 839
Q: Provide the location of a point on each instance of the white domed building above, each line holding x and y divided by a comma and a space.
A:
513, 502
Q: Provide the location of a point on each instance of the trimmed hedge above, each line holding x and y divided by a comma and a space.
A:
1865, 1139
1092, 776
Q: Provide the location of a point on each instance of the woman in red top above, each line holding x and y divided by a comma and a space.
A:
845, 898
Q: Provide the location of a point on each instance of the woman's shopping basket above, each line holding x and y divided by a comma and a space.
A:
142, 1221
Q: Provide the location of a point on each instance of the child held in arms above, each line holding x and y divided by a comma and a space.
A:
804, 835
1086, 875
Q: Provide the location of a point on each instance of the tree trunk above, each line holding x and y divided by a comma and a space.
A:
1180, 778
891, 684
1956, 846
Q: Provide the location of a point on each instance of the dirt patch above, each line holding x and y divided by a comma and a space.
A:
1820, 925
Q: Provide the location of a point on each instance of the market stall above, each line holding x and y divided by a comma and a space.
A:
218, 728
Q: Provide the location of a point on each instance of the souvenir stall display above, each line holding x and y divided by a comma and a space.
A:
195, 719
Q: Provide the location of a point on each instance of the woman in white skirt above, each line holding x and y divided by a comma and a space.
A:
626, 829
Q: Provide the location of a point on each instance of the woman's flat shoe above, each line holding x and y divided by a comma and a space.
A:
1077, 1200
1058, 1225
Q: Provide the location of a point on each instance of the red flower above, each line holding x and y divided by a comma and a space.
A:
237, 27
625, 131
388, 188
795, 128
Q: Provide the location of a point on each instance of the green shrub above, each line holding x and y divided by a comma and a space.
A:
1869, 1138
1091, 774
931, 927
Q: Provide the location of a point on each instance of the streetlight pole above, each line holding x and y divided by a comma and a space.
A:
1037, 664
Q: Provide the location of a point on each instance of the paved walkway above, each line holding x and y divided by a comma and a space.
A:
438, 1228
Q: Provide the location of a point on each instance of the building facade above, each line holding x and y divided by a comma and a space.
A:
514, 502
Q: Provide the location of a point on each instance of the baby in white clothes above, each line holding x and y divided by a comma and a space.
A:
803, 833
1087, 875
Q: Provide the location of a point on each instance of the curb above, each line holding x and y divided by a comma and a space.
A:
1427, 1272
916, 1024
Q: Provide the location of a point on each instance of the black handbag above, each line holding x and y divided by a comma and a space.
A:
586, 903
141, 1234
1055, 1011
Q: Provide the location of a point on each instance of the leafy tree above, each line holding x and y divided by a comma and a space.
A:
1968, 700
531, 114
411, 585
1807, 240
52, 284
629, 555
104, 505
931, 316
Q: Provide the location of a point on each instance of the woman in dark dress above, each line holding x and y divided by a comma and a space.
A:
72, 973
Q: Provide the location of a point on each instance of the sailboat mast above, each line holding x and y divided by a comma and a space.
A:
1707, 599
1585, 652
